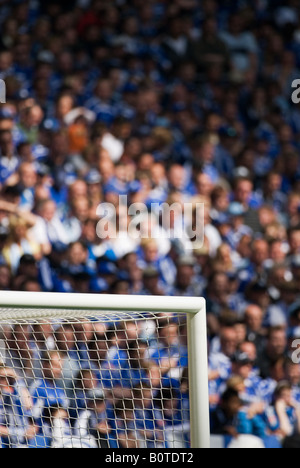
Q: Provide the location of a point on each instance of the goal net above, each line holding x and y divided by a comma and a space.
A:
85, 371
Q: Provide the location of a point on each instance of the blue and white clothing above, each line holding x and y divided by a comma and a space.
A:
87, 422
233, 237
221, 363
8, 166
253, 392
148, 421
160, 353
46, 394
13, 417
114, 371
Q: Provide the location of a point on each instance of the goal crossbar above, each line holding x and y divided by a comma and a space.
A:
29, 306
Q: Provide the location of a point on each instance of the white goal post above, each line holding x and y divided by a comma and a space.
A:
38, 306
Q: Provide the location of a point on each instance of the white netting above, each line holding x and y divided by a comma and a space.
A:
115, 380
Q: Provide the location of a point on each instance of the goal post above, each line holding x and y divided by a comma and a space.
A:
27, 306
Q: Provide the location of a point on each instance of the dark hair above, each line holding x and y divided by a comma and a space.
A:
50, 410
229, 394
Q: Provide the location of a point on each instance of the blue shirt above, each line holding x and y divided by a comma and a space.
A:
14, 418
46, 393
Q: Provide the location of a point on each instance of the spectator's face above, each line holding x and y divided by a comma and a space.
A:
254, 318
170, 334
101, 348
241, 333
266, 217
6, 124
6, 61
222, 202
106, 169
121, 173
35, 116
249, 349
5, 277
84, 331
131, 331
274, 183
104, 90
170, 407
64, 106
204, 185
233, 406
20, 232
48, 212
243, 371
277, 343
131, 26
243, 192
89, 380
177, 177
295, 241
131, 262
77, 254
293, 205
206, 153
5, 139
89, 232
146, 163
221, 284
28, 176
5, 381
277, 252
158, 173
81, 209
155, 376
78, 189
43, 331
229, 341
260, 252
185, 275
100, 406
33, 286
286, 396
67, 338
293, 374
21, 336
147, 396
150, 283
151, 253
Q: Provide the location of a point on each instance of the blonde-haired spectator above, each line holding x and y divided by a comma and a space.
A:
19, 242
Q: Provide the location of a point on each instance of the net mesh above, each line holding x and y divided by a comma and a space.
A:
108, 380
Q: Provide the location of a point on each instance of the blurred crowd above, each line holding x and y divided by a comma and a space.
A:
188, 101
94, 383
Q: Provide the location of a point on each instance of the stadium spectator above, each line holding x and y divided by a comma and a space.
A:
46, 392
16, 429
95, 422
287, 411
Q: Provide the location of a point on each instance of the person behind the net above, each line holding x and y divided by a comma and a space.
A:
169, 353
62, 436
125, 424
47, 392
97, 421
17, 429
116, 370
149, 425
